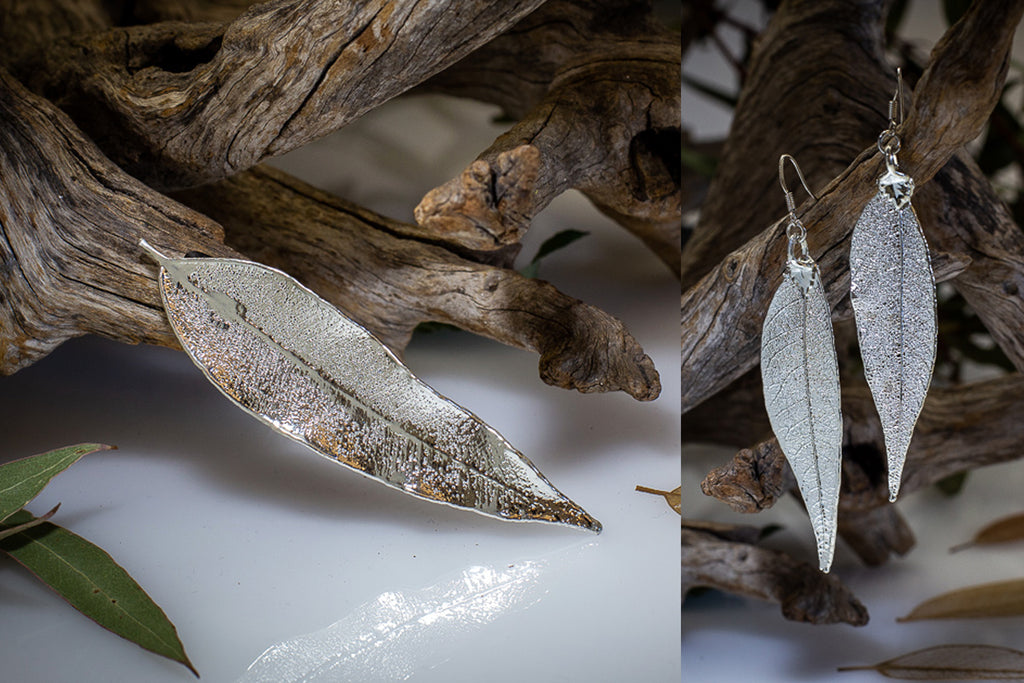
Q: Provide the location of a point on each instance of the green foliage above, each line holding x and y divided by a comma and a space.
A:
22, 480
559, 240
80, 572
953, 484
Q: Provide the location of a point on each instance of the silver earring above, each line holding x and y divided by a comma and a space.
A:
893, 294
801, 380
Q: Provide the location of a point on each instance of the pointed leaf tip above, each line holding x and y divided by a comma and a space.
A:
22, 480
93, 583
953, 662
152, 252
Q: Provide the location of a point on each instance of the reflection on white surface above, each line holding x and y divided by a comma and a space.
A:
397, 634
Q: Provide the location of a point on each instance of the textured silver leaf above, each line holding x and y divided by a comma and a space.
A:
298, 364
893, 294
801, 393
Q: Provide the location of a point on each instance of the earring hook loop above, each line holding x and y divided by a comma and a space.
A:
795, 231
790, 204
889, 140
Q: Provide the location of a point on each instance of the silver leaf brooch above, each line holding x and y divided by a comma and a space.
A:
299, 365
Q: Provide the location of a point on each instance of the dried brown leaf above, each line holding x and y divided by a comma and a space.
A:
1002, 530
952, 663
674, 497
998, 599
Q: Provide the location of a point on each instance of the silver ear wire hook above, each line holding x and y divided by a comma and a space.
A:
896, 103
790, 204
795, 231
889, 141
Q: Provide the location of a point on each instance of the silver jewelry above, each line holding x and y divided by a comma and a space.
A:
302, 367
893, 295
801, 380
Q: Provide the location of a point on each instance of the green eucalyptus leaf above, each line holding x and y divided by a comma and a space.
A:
22, 480
89, 579
559, 240
953, 484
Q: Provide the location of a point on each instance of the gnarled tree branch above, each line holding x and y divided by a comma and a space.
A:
184, 104
391, 283
72, 220
596, 87
729, 561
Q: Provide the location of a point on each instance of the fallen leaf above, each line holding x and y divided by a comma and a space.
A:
998, 599
23, 479
89, 579
952, 663
674, 497
1002, 530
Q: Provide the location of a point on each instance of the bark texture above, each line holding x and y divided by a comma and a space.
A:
106, 107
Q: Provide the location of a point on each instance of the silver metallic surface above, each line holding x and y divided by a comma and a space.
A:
298, 364
801, 393
893, 294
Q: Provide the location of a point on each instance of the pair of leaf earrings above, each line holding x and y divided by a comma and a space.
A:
893, 294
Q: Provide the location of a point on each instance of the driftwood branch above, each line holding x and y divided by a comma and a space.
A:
596, 88
728, 559
960, 428
391, 283
70, 223
825, 60
973, 221
722, 313
596, 83
179, 104
72, 220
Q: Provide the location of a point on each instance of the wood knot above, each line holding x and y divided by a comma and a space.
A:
731, 268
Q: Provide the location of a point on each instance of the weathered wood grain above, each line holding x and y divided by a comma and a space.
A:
817, 88
595, 86
178, 104
71, 221
803, 592
960, 428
